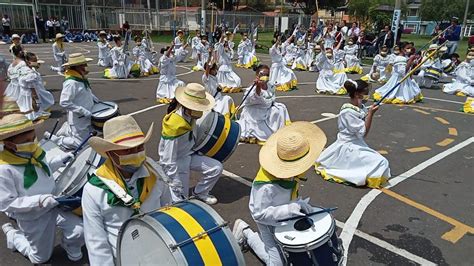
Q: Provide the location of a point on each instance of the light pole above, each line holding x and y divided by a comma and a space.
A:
203, 17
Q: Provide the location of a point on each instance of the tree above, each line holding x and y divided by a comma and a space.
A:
443, 10
309, 6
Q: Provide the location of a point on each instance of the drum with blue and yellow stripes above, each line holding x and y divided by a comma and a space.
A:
217, 136
187, 233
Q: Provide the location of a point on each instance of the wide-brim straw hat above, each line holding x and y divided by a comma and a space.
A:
77, 59
102, 32
120, 133
15, 124
59, 36
194, 96
433, 47
15, 36
292, 150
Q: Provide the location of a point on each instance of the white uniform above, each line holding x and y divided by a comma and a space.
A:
14, 72
102, 221
427, 82
178, 42
380, 65
280, 75
227, 78
350, 159
300, 58
202, 51
246, 54
60, 57
178, 158
194, 44
140, 58
29, 81
328, 80
224, 103
121, 64
78, 100
261, 116
290, 53
464, 80
37, 225
105, 59
168, 81
351, 60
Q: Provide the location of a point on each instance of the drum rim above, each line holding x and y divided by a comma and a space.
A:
313, 244
199, 146
116, 110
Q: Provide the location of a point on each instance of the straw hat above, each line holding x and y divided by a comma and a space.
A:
15, 124
195, 97
443, 49
77, 59
433, 47
292, 149
15, 36
120, 133
59, 36
102, 32
180, 31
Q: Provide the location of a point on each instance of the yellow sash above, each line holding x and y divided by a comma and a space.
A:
264, 177
29, 175
174, 126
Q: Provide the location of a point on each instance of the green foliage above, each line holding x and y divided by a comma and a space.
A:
444, 10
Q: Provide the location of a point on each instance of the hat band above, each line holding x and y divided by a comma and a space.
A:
128, 137
193, 96
295, 158
10, 127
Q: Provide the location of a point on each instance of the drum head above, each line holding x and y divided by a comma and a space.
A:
104, 109
205, 126
51, 148
294, 233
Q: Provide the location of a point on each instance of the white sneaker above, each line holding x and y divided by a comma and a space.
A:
76, 256
238, 231
206, 198
7, 228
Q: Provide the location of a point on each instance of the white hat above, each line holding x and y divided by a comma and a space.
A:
15, 36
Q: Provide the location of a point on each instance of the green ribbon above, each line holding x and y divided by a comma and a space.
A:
30, 175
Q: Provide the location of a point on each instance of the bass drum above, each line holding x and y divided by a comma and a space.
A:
187, 233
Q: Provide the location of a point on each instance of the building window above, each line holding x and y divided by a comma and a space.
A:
413, 12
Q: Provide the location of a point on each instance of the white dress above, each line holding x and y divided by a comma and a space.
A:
246, 54
352, 62
300, 60
60, 57
290, 53
224, 103
13, 89
329, 81
105, 59
31, 80
194, 44
202, 51
121, 64
168, 81
463, 84
261, 116
407, 92
350, 159
380, 65
280, 75
228, 80
146, 66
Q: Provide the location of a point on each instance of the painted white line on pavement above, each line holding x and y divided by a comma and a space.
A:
353, 221
443, 100
62, 75
147, 109
369, 238
138, 79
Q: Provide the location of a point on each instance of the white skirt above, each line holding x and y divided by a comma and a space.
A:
146, 65
166, 87
353, 64
224, 104
228, 80
13, 90
459, 88
277, 117
407, 92
353, 162
331, 83
119, 71
105, 62
283, 77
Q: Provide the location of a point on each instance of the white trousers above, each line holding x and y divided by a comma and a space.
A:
35, 239
209, 168
264, 244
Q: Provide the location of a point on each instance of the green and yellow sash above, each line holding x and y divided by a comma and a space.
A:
71, 74
29, 175
174, 126
264, 177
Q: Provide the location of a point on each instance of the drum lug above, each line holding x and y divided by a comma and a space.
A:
173, 247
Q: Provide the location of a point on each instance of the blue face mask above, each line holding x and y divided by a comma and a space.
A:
129, 168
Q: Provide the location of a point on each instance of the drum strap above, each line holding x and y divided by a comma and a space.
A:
118, 191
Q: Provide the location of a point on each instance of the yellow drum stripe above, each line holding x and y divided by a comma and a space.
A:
222, 138
204, 245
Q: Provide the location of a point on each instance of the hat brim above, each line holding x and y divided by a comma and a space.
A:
279, 168
197, 105
102, 146
21, 130
87, 60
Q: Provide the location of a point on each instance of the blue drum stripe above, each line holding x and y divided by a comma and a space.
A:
179, 234
229, 143
218, 131
218, 238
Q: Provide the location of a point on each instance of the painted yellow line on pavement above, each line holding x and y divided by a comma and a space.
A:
453, 131
438, 109
418, 149
382, 152
421, 111
460, 229
445, 142
442, 120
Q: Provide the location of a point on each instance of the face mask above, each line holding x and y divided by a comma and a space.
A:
407, 51
328, 55
350, 43
396, 52
134, 160
26, 149
264, 78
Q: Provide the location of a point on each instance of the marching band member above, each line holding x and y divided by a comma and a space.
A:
280, 75
120, 61
224, 103
139, 51
349, 159
179, 39
228, 80
195, 43
381, 68
246, 53
284, 159
433, 63
14, 72
127, 183
105, 59
177, 141
33, 91
331, 79
408, 92
168, 81
261, 115
26, 187
77, 98
59, 53
463, 84
202, 54
350, 58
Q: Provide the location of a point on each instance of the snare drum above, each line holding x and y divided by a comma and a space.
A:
310, 240
433, 73
103, 111
187, 233
217, 136
52, 150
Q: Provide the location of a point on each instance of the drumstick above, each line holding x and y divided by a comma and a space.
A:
54, 129
243, 100
98, 111
309, 214
79, 148
104, 103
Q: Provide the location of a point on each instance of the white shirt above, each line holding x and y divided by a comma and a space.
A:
102, 222
351, 124
58, 53
258, 105
104, 50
